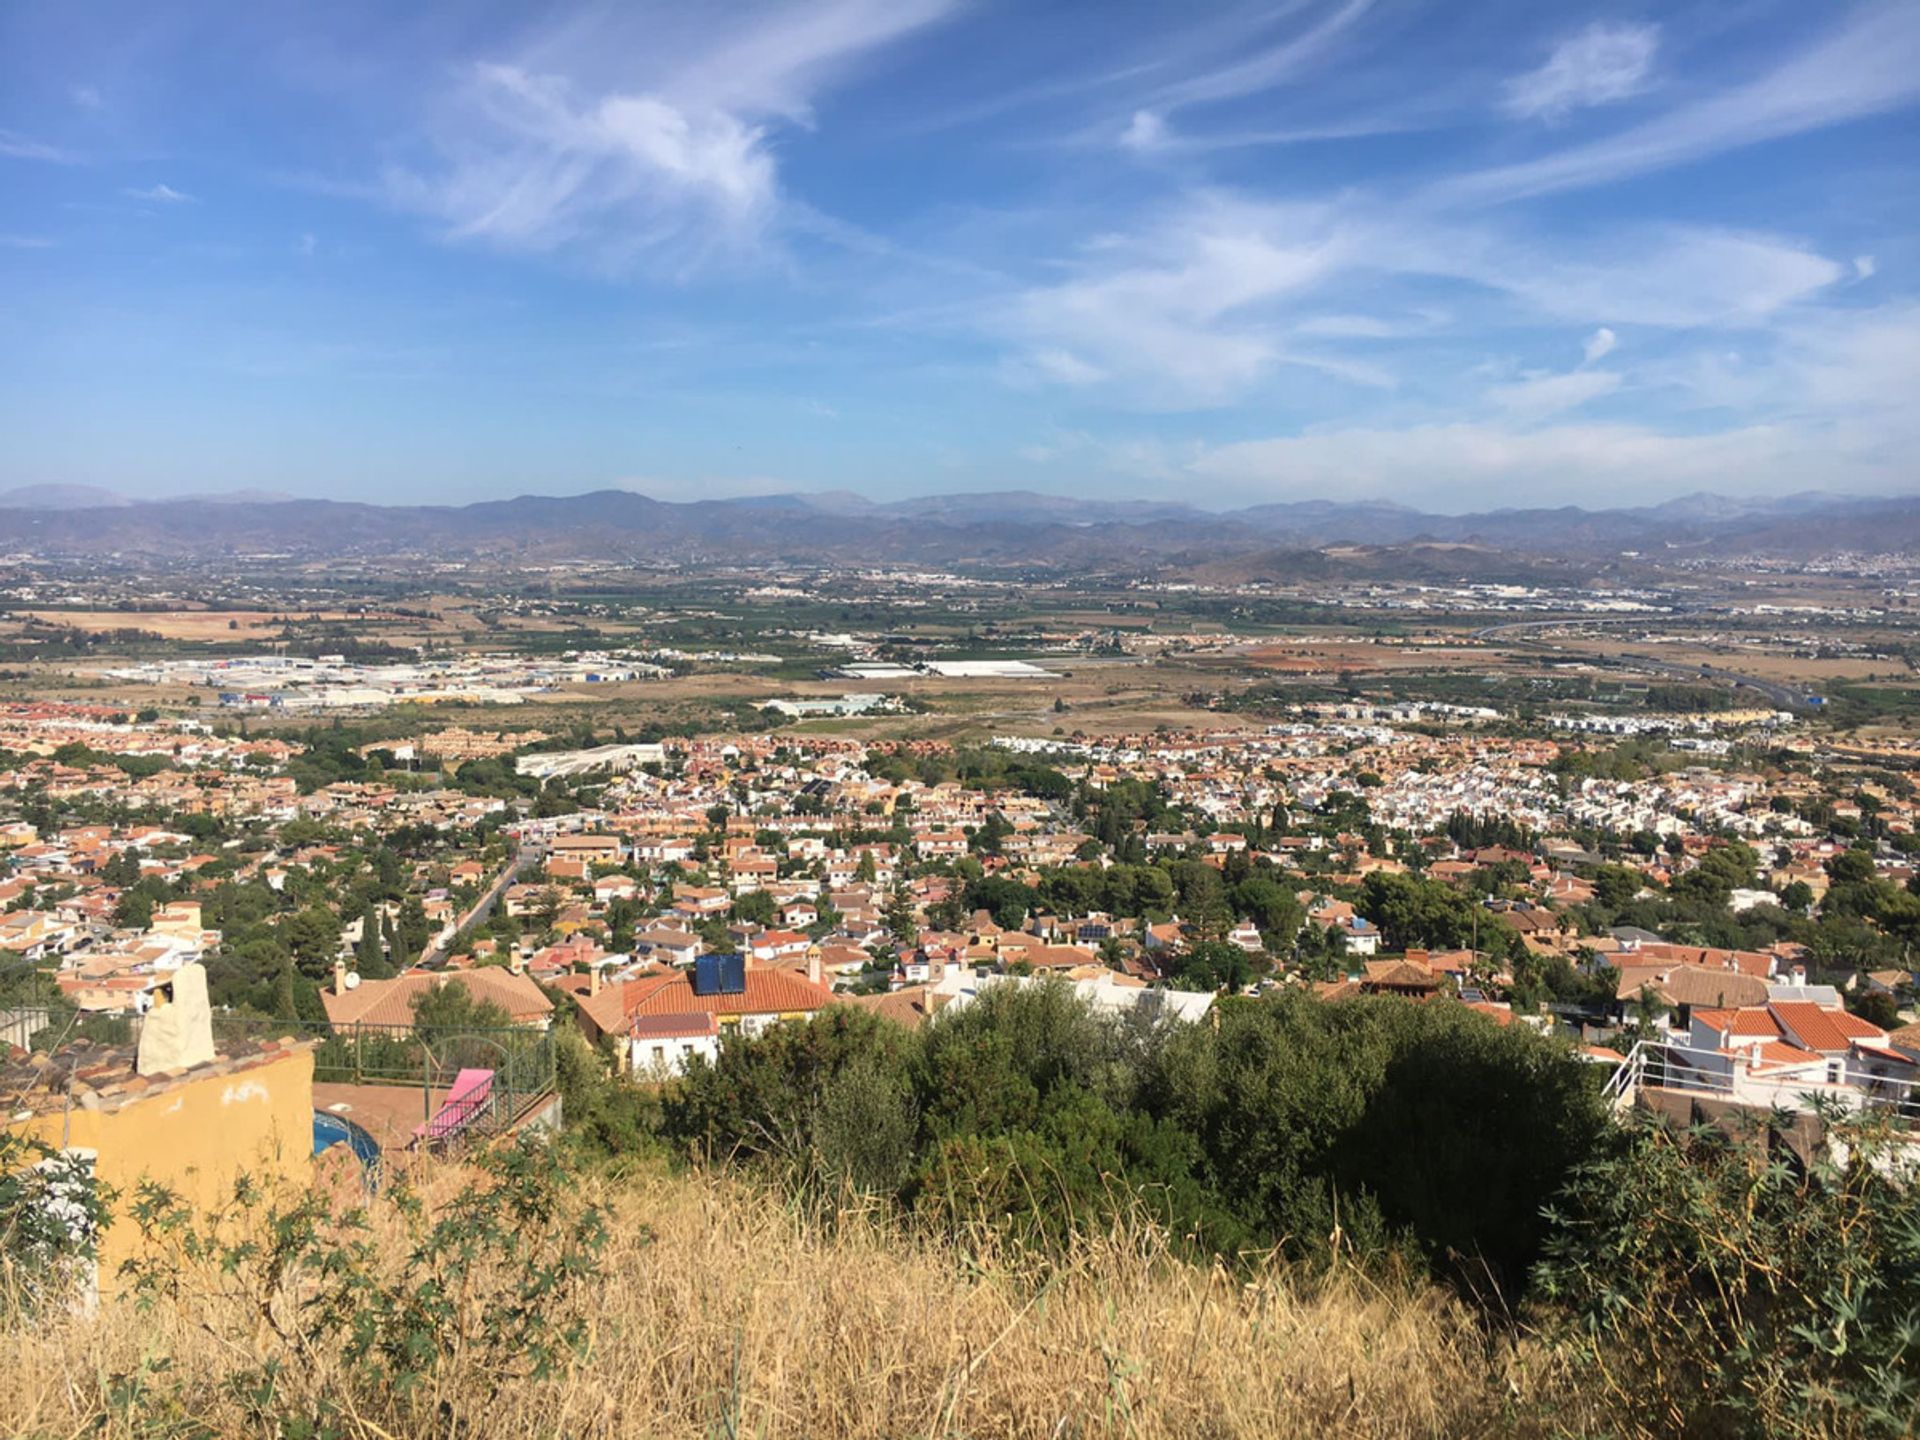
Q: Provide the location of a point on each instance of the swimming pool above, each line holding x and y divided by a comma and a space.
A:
331, 1130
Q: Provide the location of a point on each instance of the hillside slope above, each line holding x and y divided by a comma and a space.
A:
719, 1310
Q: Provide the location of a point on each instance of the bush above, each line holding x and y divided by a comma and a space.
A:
51, 1214
1352, 1123
1355, 1126
429, 1325
767, 1098
1716, 1285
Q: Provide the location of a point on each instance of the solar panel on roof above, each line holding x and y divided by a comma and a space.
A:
719, 974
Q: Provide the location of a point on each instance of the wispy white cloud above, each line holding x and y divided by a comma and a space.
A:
157, 194
1539, 396
1661, 275
1265, 67
1053, 366
551, 168
1146, 459
1827, 405
1170, 317
87, 97
1599, 66
1149, 133
546, 152
1870, 64
1216, 294
15, 146
1146, 131
25, 242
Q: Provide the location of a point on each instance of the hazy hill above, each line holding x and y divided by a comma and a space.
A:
1015, 528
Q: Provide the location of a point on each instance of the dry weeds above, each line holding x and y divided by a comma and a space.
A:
725, 1312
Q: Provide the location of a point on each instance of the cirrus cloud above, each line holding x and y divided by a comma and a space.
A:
556, 151
1600, 65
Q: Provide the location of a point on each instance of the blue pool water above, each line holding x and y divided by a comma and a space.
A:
331, 1130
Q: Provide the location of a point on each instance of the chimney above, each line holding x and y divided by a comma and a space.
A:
519, 963
593, 979
177, 1033
339, 977
813, 963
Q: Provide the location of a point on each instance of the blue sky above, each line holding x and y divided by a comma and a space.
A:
1456, 256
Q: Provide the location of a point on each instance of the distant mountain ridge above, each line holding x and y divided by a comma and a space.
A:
1000, 528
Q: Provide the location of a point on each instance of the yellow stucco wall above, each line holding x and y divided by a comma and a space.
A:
195, 1135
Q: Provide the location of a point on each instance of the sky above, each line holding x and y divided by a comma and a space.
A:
1455, 256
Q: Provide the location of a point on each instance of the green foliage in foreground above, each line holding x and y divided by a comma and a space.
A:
501, 1277
1290, 1123
51, 1215
1719, 1287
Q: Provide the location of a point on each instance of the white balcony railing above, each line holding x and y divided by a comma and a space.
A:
1655, 1065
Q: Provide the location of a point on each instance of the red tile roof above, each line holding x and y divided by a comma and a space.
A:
768, 992
390, 1002
1750, 1023
1830, 1032
673, 1027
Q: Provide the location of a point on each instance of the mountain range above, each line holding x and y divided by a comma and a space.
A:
999, 528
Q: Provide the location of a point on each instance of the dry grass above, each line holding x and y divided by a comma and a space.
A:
723, 1312
195, 624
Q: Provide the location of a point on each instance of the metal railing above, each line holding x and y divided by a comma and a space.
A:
425, 1058
1656, 1065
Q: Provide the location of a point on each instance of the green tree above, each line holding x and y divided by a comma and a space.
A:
1716, 1286
370, 957
755, 908
1214, 965
1415, 912
1271, 907
312, 937
1615, 886
898, 916
415, 930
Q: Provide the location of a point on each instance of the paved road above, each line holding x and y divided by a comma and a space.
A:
1785, 697
527, 856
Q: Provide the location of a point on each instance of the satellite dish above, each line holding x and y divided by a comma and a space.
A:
353, 979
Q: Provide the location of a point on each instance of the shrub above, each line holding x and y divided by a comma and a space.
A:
428, 1327
1359, 1121
1717, 1285
768, 1097
1286, 1122
51, 1213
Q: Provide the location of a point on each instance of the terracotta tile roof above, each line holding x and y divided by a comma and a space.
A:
768, 992
1755, 963
673, 1027
390, 1002
1778, 1052
1828, 1031
1883, 1052
910, 1006
1336, 989
1750, 1023
1400, 975
1690, 985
